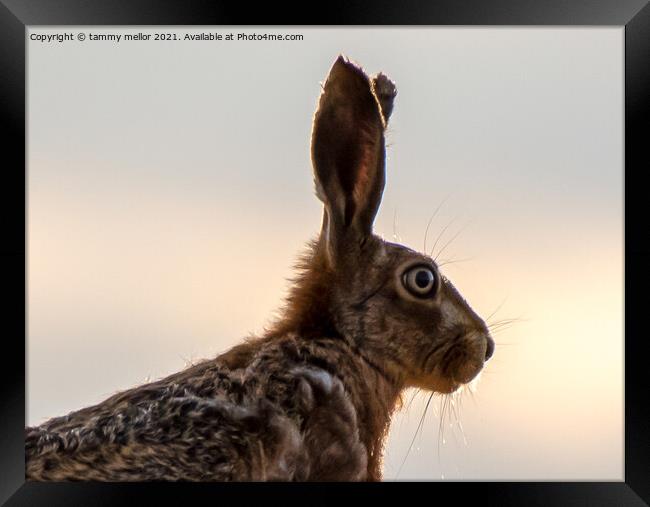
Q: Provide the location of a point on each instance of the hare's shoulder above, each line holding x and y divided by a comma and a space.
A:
306, 378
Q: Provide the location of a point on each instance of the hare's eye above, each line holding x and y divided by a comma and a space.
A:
420, 281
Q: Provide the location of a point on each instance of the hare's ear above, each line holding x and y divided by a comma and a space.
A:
348, 152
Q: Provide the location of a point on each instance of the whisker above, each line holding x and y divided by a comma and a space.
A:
505, 321
415, 435
496, 310
495, 332
501, 326
502, 323
471, 394
513, 319
451, 240
412, 398
408, 407
441, 425
454, 261
395, 235
441, 234
426, 231
456, 416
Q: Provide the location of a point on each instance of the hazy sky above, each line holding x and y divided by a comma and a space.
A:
170, 190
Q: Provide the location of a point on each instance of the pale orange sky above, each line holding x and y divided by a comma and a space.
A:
169, 193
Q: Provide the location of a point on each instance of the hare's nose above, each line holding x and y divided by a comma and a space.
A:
490, 348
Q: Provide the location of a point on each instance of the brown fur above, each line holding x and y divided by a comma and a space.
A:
312, 398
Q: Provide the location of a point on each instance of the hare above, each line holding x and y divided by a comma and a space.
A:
311, 399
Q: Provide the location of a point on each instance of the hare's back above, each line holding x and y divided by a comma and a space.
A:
278, 418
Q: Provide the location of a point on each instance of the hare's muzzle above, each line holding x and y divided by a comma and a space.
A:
467, 356
489, 351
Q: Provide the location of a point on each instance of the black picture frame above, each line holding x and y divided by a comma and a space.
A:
16, 15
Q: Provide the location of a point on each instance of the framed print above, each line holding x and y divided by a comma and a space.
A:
401, 246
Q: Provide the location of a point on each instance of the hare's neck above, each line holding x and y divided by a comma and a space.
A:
373, 394
380, 409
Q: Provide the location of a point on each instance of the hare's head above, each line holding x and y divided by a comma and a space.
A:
388, 301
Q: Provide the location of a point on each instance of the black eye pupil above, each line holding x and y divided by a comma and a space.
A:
423, 278
420, 281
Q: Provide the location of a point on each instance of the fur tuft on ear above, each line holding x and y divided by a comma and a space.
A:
385, 91
348, 150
